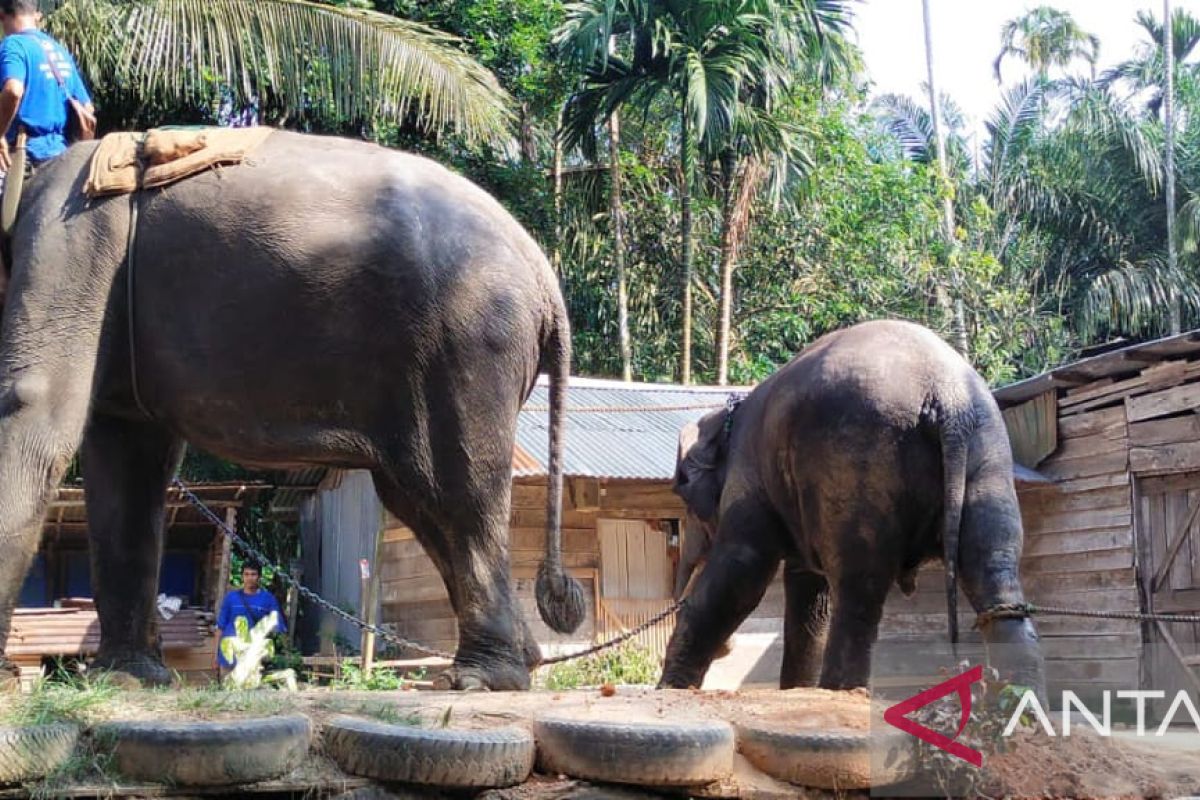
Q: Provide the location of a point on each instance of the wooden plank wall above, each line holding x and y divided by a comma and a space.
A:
1079, 552
414, 597
1081, 549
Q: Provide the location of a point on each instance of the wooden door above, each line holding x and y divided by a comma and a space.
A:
635, 580
1169, 551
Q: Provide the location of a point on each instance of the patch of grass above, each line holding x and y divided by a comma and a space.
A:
385, 712
381, 679
627, 663
205, 702
61, 697
91, 764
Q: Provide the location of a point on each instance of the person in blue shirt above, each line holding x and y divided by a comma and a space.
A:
36, 75
252, 602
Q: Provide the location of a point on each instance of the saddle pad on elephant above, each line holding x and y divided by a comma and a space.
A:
125, 162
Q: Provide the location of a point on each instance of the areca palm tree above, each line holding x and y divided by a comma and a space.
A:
1044, 38
1144, 74
703, 54
290, 58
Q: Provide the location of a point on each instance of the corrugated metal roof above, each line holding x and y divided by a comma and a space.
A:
615, 429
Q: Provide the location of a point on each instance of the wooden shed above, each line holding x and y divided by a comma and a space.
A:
1115, 525
621, 521
55, 615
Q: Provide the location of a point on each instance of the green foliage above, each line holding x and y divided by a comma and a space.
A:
380, 679
626, 664
62, 696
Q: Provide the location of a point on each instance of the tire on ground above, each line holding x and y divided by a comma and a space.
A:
206, 753
33, 751
826, 759
481, 759
654, 754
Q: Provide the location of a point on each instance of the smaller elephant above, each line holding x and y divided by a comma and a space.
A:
874, 450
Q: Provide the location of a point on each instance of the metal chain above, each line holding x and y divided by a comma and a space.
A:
629, 634
303, 590
382, 633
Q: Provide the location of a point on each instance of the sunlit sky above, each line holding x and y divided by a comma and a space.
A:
966, 36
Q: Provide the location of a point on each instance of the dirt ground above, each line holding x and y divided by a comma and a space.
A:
1082, 766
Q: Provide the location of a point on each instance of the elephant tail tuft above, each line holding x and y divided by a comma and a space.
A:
560, 598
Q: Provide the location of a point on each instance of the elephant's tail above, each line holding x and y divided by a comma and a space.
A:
954, 472
559, 596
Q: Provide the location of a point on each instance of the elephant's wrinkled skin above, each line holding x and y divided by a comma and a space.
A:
875, 449
330, 303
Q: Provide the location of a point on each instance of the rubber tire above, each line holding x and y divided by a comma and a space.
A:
31, 752
207, 753
430, 757
822, 759
658, 754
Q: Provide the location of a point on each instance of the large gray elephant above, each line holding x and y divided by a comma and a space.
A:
331, 303
874, 450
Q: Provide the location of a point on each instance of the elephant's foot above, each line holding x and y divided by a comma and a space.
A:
130, 669
10, 676
481, 678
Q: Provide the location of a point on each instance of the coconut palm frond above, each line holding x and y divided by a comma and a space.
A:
1134, 297
302, 57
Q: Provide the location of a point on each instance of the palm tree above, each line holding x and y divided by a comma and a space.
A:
289, 58
577, 41
948, 287
1169, 147
703, 54
1045, 38
764, 147
1144, 72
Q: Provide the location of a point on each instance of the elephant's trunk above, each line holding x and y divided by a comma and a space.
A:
560, 598
695, 548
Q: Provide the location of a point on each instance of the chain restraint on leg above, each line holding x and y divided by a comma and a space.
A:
382, 633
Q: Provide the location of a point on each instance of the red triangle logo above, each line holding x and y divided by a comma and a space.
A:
896, 715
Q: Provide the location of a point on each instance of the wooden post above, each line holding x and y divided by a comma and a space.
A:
226, 563
370, 594
367, 655
292, 602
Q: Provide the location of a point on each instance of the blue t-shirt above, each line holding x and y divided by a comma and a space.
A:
251, 606
43, 109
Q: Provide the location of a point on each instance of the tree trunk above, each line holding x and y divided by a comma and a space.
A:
727, 257
618, 231
685, 201
556, 255
951, 305
1169, 160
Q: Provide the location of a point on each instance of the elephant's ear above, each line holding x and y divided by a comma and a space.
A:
700, 465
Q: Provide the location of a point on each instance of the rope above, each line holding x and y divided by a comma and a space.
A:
382, 633
1023, 610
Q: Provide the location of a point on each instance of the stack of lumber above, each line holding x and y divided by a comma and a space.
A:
76, 631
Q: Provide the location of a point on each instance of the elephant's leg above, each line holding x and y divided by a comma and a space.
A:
40, 429
126, 468
857, 596
468, 545
745, 555
805, 625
